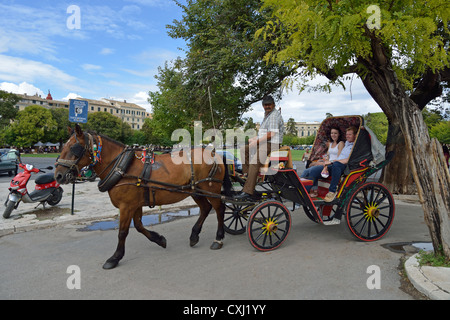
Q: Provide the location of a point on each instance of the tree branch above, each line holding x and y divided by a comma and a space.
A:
429, 87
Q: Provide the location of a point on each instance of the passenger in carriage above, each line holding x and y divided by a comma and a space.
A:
270, 137
338, 166
318, 168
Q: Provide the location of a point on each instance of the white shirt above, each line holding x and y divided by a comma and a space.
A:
333, 152
345, 153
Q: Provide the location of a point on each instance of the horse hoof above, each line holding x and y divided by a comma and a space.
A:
216, 245
194, 240
110, 264
163, 242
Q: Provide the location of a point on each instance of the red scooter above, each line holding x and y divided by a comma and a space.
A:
47, 190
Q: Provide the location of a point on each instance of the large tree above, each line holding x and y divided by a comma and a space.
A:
109, 125
389, 46
8, 110
224, 68
34, 123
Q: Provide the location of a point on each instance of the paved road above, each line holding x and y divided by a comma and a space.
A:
315, 262
38, 162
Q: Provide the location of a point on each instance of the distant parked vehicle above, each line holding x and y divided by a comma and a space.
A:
8, 162
231, 159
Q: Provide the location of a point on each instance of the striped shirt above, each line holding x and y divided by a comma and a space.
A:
273, 122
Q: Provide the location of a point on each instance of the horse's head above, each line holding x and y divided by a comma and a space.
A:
75, 155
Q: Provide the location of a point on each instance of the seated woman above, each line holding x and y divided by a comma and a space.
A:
317, 168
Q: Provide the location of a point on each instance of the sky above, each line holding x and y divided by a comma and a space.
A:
112, 49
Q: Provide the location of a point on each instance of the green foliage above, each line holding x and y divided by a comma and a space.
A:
290, 140
7, 107
109, 125
441, 131
223, 69
438, 127
290, 127
431, 117
325, 37
60, 133
32, 124
434, 259
379, 124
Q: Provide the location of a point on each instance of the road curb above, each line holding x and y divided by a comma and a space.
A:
422, 282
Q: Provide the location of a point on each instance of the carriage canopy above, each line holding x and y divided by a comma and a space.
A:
366, 143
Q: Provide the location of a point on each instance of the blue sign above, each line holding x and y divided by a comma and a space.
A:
78, 111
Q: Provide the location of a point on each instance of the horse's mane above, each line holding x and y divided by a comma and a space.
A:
106, 138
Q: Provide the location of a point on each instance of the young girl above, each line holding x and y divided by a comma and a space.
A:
317, 169
334, 149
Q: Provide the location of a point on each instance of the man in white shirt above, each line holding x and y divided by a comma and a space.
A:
337, 167
270, 137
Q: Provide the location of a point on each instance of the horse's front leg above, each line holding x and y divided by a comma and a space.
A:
151, 235
205, 208
219, 207
124, 226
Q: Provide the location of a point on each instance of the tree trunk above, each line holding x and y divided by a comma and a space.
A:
430, 175
397, 176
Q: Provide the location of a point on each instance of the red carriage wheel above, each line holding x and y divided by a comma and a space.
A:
370, 211
268, 225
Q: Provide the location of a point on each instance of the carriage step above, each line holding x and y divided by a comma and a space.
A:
332, 222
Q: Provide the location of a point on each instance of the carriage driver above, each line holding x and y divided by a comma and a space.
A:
254, 154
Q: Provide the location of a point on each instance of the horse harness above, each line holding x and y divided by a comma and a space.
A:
144, 180
79, 151
120, 165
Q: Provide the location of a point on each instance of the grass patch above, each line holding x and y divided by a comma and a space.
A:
296, 154
429, 258
39, 155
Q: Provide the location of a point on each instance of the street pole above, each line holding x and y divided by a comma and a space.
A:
73, 197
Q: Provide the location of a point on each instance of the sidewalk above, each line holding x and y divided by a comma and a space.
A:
432, 281
97, 207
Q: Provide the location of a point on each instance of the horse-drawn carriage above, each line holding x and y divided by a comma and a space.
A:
134, 180
367, 207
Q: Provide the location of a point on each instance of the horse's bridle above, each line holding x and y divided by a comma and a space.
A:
78, 151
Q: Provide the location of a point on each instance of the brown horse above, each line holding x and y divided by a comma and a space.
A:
169, 183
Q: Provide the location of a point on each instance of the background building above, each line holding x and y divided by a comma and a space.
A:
306, 129
130, 113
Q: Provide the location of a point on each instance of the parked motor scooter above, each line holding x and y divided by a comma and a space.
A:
47, 190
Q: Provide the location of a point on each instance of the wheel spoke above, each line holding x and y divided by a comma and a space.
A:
268, 225
370, 212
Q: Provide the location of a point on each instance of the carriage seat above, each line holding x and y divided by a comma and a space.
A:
346, 179
278, 159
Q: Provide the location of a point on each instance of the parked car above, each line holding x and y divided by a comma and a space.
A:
231, 158
9, 161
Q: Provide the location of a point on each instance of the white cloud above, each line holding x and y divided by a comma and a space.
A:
106, 51
29, 30
16, 70
151, 3
21, 88
141, 99
152, 59
71, 96
313, 106
156, 56
90, 67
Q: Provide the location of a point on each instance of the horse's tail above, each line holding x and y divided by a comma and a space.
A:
226, 184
